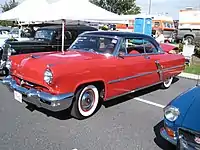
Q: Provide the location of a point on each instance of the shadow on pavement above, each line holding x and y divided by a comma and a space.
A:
128, 97
175, 80
159, 140
62, 115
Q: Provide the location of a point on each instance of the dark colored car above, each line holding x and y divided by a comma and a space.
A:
188, 34
46, 39
182, 121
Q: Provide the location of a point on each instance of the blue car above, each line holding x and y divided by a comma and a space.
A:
182, 120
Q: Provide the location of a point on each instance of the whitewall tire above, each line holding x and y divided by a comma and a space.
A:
167, 83
86, 102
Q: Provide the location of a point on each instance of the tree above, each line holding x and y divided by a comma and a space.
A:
5, 7
9, 5
118, 6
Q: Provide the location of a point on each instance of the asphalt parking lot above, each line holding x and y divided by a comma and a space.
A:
131, 122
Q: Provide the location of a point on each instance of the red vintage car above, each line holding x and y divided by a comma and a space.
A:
97, 67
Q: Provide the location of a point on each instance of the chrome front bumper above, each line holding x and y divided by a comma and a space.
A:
164, 134
40, 99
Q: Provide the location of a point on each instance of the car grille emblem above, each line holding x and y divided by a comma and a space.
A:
25, 83
22, 82
197, 140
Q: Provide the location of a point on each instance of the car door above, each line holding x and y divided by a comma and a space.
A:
161, 60
134, 69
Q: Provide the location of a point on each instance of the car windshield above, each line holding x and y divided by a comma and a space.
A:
95, 43
44, 34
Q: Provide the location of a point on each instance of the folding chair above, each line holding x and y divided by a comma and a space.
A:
188, 51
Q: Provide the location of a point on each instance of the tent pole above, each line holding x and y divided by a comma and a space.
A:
63, 35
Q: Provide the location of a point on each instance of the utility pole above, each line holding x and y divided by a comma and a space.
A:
149, 12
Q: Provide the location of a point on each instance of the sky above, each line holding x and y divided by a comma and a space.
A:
171, 7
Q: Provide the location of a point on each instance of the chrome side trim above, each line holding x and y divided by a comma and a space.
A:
131, 77
174, 67
137, 89
159, 70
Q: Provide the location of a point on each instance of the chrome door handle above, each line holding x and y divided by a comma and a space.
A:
147, 57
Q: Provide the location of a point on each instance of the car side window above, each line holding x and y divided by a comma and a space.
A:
122, 49
68, 35
74, 34
150, 48
134, 46
58, 36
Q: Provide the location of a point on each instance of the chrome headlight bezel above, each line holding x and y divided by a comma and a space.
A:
9, 49
171, 113
48, 76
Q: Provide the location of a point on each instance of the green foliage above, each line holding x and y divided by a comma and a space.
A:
104, 28
5, 7
197, 47
118, 6
194, 69
8, 5
180, 47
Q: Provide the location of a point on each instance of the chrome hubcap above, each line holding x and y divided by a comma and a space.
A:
87, 100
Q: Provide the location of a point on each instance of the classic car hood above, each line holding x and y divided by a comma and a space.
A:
192, 119
27, 42
28, 46
32, 67
188, 104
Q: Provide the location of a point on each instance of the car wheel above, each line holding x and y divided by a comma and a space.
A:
189, 39
167, 83
86, 102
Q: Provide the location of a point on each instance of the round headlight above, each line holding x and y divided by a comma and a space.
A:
171, 113
48, 76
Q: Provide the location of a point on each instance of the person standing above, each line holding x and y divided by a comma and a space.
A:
159, 36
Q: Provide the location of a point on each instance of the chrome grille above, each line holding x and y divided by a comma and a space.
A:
189, 138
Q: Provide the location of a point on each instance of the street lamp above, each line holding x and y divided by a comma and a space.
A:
149, 12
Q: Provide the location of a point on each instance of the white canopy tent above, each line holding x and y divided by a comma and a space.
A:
63, 10
69, 10
24, 9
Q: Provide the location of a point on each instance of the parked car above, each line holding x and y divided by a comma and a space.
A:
4, 34
46, 39
14, 33
97, 67
181, 120
188, 34
169, 48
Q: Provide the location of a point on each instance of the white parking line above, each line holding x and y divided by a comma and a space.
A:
149, 102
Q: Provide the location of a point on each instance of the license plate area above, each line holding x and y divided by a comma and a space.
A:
18, 96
